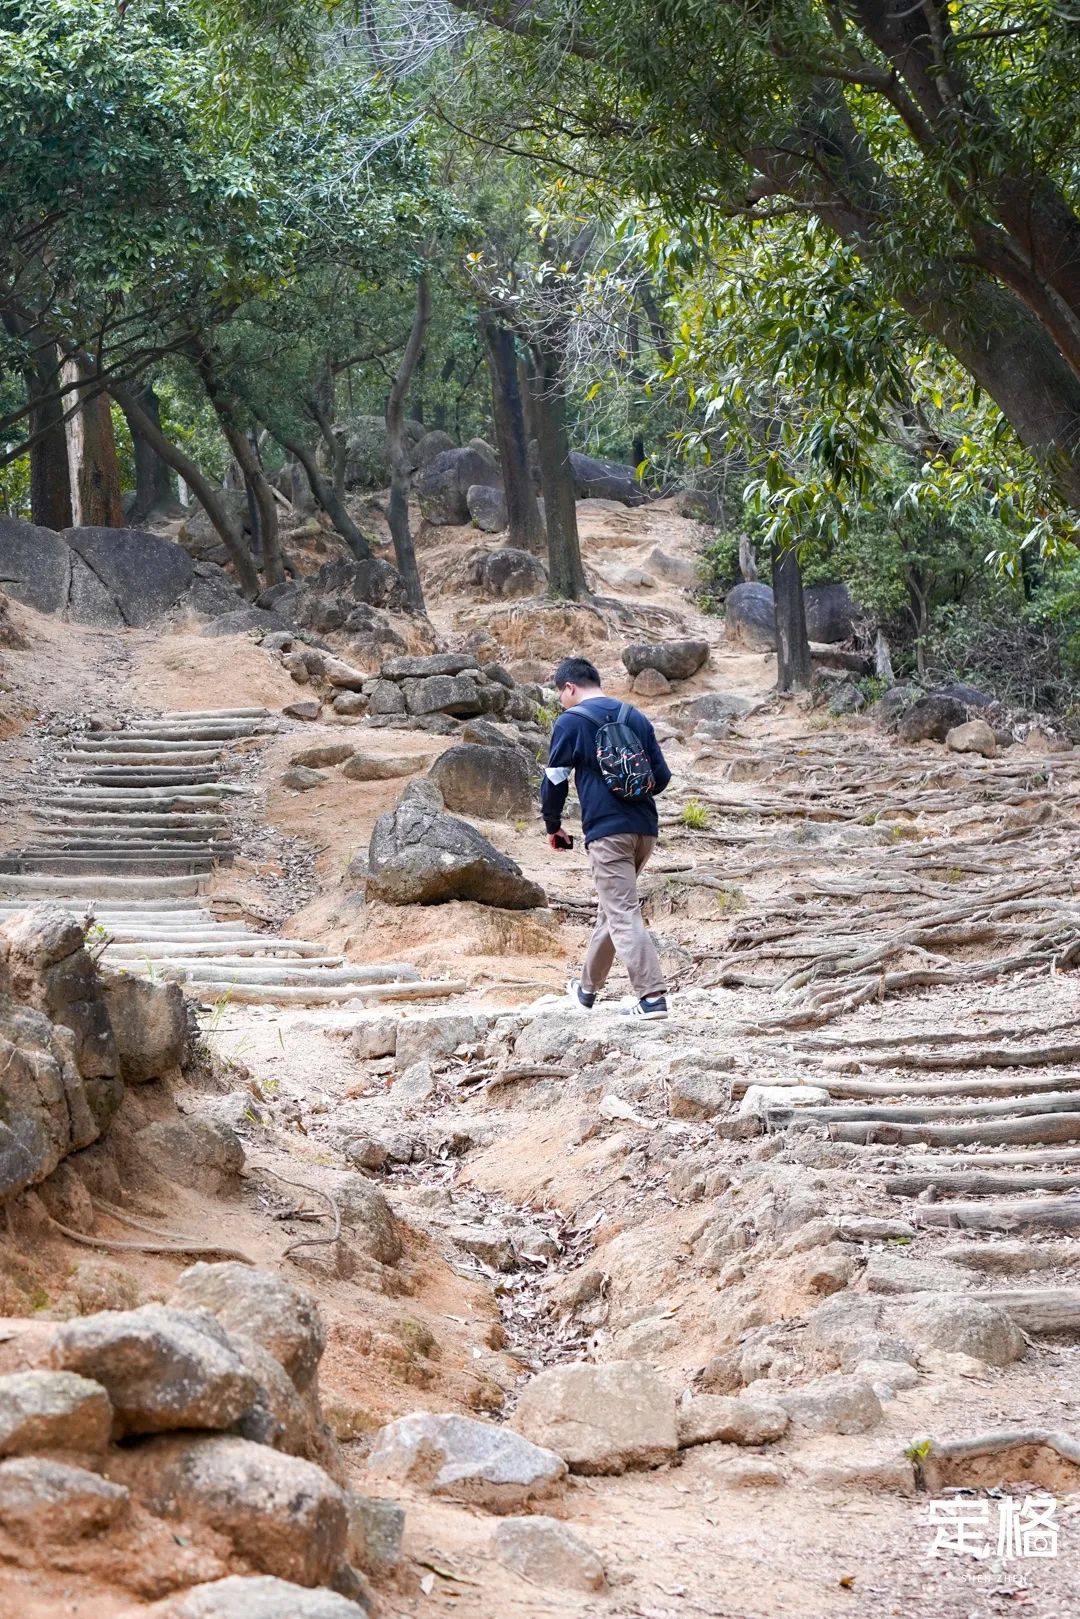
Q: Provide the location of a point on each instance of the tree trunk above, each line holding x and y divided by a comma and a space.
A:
153, 479
50, 476
92, 462
204, 491
511, 437
747, 564
792, 643
259, 485
326, 497
565, 572
400, 473
321, 410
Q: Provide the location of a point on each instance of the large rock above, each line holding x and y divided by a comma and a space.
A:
442, 485
601, 1419
381, 767
46, 1110
677, 660
459, 695
419, 855
42, 1500
749, 617
340, 597
162, 1368
51, 970
489, 783
111, 577
149, 1024
280, 1513
961, 1326
375, 1531
931, 718
419, 1037
42, 1410
247, 620
600, 479
545, 1552
204, 1153
262, 1305
368, 1218
432, 663
258, 1596
831, 615
508, 573
431, 445
466, 1460
487, 507
143, 575
675, 570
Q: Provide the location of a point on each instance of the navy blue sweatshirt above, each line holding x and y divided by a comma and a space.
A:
573, 752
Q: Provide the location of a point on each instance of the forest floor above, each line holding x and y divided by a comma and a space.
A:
894, 927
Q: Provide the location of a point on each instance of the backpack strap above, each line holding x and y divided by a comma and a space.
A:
623, 714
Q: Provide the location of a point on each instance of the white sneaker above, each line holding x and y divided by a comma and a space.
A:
582, 998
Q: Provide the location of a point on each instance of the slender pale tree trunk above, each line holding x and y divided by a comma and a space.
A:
400, 472
92, 461
789, 611
525, 525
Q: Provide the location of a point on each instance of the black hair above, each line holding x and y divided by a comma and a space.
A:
577, 672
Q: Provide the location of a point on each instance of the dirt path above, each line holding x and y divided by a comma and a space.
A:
863, 1112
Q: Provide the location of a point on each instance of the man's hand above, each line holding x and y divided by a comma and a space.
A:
560, 840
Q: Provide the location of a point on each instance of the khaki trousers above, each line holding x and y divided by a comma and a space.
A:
620, 928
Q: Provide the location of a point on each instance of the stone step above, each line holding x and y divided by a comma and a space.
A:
110, 865
325, 994
175, 948
314, 970
124, 757
188, 714
103, 821
76, 888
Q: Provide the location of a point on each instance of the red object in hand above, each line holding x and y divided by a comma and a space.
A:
560, 840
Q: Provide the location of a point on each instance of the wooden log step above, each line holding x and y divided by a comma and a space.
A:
1051, 1102
1050, 1127
316, 994
978, 1085
979, 1183
1053, 1214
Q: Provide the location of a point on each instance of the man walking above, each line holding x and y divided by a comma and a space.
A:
620, 826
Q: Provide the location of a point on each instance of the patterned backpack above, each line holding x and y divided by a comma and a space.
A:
623, 758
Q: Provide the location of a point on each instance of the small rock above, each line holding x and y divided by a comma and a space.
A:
602, 1419
374, 1037
282, 1514
887, 1377
47, 1500
350, 703
386, 699
42, 1410
301, 780
281, 1317
709, 1418
867, 1228
413, 1085
836, 1403
829, 1273
545, 1552
748, 1473
698, 1096
162, 1368
308, 708
368, 1218
758, 1099
375, 1531
253, 1597
466, 1460
321, 755
974, 737
651, 683
372, 767
489, 1244
434, 1037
